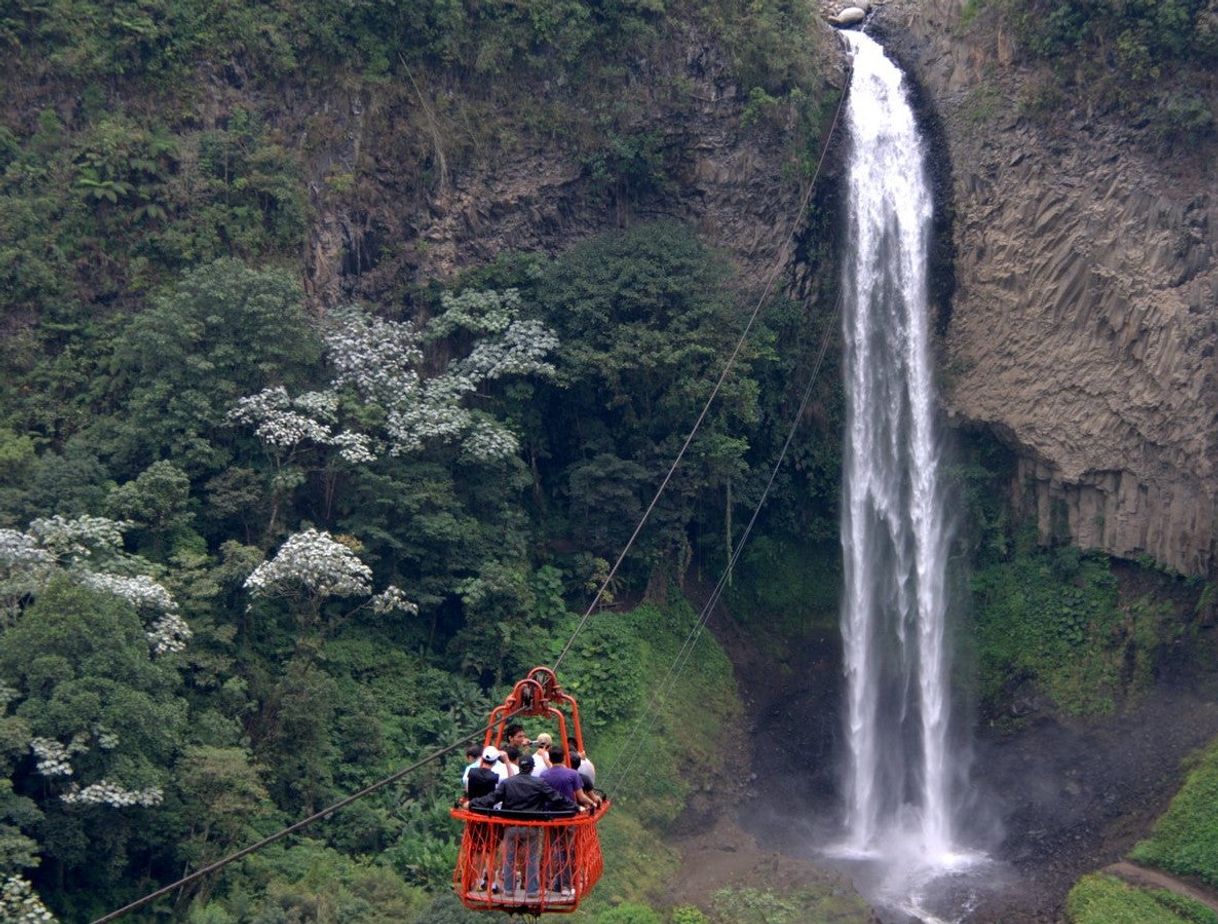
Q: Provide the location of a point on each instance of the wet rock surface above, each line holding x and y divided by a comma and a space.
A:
1084, 325
735, 180
1066, 798
1047, 801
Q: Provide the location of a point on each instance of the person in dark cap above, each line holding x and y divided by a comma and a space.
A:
530, 794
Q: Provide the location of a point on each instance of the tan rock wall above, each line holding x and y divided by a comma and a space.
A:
1085, 321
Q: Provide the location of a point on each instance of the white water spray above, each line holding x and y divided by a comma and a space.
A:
894, 538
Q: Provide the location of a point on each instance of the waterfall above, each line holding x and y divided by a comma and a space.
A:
893, 534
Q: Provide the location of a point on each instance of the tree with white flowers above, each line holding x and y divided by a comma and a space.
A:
20, 904
98, 708
87, 550
86, 630
387, 365
313, 566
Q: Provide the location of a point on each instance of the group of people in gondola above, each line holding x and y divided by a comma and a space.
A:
530, 780
544, 780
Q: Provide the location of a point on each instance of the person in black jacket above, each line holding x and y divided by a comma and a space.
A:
483, 779
525, 793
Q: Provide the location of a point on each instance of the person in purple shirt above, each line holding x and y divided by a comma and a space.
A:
567, 781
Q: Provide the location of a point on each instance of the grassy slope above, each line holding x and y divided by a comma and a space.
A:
1185, 839
1100, 899
648, 769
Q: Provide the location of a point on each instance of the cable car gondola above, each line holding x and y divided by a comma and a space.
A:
521, 862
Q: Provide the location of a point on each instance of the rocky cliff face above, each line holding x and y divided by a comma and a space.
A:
1085, 318
736, 182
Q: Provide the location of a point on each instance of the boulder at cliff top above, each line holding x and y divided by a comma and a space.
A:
850, 16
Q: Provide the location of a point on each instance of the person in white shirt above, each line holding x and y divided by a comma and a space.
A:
473, 754
510, 758
494, 757
541, 759
586, 768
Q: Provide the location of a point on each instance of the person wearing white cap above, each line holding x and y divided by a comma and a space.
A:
493, 757
484, 778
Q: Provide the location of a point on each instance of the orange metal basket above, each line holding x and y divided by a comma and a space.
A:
527, 866
521, 862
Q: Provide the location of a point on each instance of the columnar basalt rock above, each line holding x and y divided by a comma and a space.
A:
1085, 318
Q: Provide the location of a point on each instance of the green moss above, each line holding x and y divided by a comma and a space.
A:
1185, 838
647, 761
619, 665
638, 865
788, 586
1056, 618
983, 104
1100, 899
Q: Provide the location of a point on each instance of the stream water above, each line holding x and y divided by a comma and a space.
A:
899, 772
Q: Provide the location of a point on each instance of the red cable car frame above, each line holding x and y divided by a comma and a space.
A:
519, 862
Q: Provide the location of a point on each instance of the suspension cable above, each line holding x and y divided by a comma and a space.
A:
436, 755
727, 367
304, 822
668, 682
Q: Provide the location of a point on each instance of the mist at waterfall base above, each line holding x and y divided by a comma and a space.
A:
904, 772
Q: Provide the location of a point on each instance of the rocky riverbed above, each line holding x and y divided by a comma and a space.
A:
1047, 802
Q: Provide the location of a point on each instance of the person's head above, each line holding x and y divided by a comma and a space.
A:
489, 755
526, 765
576, 760
473, 752
513, 753
543, 741
573, 744
556, 754
514, 734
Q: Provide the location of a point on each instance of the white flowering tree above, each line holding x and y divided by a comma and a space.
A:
385, 366
84, 635
20, 904
87, 550
312, 567
284, 423
98, 705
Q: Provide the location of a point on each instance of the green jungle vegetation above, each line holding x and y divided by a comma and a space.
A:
1053, 627
797, 905
236, 471
1101, 899
1056, 619
253, 555
1185, 839
1146, 59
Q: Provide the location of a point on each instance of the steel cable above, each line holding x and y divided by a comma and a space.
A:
436, 755
304, 822
769, 287
668, 682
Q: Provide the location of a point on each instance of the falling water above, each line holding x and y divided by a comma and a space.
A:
894, 538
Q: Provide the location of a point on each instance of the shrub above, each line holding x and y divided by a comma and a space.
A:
1185, 838
1100, 899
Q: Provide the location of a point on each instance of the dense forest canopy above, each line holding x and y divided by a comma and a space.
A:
260, 546
257, 550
